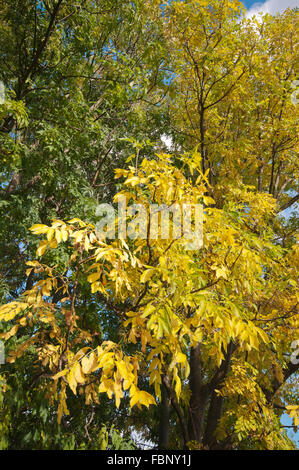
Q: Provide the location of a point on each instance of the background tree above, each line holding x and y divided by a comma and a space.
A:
226, 71
79, 78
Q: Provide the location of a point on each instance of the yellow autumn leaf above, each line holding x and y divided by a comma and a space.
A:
72, 381
180, 357
60, 374
146, 399
39, 228
42, 248
78, 373
178, 387
10, 333
146, 275
94, 277
90, 363
50, 234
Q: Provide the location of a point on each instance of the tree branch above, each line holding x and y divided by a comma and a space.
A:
289, 203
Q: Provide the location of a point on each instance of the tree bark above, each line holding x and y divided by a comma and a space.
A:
216, 402
214, 414
179, 411
199, 397
164, 421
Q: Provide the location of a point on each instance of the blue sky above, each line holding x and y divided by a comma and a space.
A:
249, 3
269, 6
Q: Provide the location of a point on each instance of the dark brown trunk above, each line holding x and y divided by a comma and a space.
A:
199, 396
202, 140
260, 177
271, 185
178, 409
214, 414
216, 402
164, 421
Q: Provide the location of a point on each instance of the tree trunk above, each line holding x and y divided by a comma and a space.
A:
216, 402
199, 396
164, 421
214, 414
